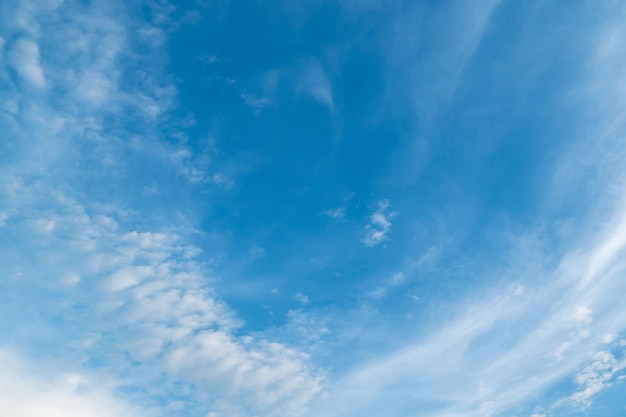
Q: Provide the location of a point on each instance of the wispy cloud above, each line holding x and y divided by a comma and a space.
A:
377, 231
301, 298
256, 102
547, 317
405, 276
305, 78
431, 86
312, 80
256, 252
340, 211
336, 213
396, 280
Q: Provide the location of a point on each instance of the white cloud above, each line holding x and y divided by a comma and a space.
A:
71, 279
23, 56
25, 391
132, 298
256, 252
127, 277
153, 303
301, 298
339, 212
595, 377
609, 338
222, 180
306, 327
209, 58
306, 77
256, 102
395, 280
380, 225
606, 253
582, 316
263, 91
336, 213
268, 376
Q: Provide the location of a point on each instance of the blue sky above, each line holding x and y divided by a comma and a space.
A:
312, 208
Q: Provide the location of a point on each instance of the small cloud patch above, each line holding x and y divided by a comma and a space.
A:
377, 231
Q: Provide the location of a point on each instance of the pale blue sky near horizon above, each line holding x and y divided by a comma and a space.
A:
219, 208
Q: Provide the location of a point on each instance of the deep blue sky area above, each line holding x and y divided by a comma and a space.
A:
312, 208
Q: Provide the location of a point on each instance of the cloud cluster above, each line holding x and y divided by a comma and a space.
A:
152, 299
377, 231
132, 297
595, 377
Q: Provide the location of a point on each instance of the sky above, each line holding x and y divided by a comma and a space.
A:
260, 208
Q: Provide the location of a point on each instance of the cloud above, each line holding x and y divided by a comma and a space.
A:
152, 301
94, 61
339, 212
256, 252
301, 298
131, 295
583, 315
23, 57
305, 77
82, 61
503, 339
311, 80
269, 377
308, 328
407, 275
432, 84
222, 180
28, 391
380, 225
256, 102
604, 255
336, 213
263, 90
594, 378
555, 300
395, 280
127, 277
